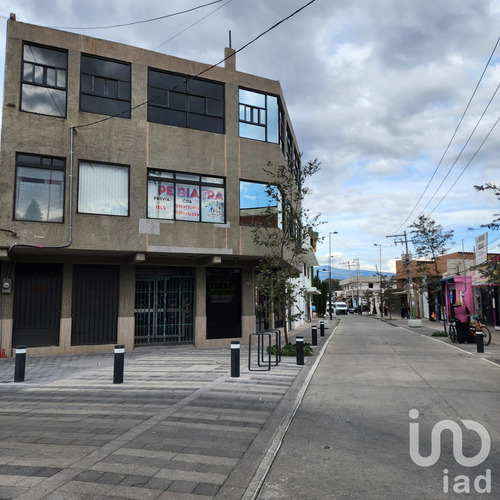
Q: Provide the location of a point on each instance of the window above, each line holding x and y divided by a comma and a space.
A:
103, 189
105, 87
184, 101
260, 116
43, 88
39, 188
257, 207
187, 197
370, 285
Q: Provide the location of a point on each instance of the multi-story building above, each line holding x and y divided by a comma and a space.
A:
129, 183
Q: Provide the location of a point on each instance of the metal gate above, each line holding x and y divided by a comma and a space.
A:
37, 304
164, 307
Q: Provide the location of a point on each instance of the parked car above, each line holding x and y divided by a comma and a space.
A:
340, 308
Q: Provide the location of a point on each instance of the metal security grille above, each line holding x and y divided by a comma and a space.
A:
164, 307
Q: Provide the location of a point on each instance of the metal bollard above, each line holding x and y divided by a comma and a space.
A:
322, 328
299, 342
20, 365
235, 358
119, 362
479, 341
314, 335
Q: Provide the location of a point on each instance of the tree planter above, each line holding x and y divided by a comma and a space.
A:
415, 323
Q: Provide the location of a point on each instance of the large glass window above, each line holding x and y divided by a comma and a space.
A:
188, 197
103, 189
260, 116
105, 86
39, 188
185, 101
44, 80
258, 206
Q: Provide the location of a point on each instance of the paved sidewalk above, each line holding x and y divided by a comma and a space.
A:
491, 352
179, 426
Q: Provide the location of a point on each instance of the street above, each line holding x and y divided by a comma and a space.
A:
350, 437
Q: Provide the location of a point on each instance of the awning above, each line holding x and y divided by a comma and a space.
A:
312, 290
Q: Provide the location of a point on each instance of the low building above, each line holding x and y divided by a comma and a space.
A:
129, 183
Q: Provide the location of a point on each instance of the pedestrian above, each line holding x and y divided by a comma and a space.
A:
461, 314
403, 311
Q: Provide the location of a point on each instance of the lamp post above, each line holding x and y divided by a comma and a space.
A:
330, 272
380, 278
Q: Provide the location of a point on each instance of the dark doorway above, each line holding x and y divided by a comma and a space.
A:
37, 304
223, 303
95, 304
164, 306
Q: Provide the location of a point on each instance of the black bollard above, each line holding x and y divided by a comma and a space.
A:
235, 358
322, 328
299, 342
479, 341
314, 335
20, 365
119, 362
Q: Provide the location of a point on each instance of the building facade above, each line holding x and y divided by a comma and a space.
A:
129, 184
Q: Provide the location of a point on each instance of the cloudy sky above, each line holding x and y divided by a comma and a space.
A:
375, 90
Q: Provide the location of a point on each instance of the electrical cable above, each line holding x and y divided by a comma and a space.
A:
453, 136
461, 151
134, 22
466, 166
38, 118
205, 70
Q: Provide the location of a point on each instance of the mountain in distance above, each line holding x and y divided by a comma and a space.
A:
339, 273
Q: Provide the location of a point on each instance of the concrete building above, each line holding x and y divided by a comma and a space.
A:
129, 183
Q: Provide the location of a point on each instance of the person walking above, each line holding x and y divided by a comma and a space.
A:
461, 314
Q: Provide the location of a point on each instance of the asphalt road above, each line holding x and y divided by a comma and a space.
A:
350, 438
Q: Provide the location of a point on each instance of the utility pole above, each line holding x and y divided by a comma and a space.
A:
409, 297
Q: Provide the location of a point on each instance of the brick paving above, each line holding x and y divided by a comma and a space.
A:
178, 427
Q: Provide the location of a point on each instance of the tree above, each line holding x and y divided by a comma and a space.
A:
319, 301
495, 223
33, 211
430, 241
286, 246
388, 292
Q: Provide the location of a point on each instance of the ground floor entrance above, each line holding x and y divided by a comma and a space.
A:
164, 306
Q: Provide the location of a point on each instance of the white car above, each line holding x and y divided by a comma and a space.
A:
340, 308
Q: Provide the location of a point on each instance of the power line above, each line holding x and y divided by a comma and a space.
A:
35, 120
453, 136
461, 151
134, 22
467, 166
206, 69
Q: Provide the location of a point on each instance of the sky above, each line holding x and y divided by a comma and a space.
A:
395, 98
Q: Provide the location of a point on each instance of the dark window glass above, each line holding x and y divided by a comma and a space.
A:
105, 87
200, 102
43, 88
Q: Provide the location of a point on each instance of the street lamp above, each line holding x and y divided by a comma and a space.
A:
330, 272
380, 278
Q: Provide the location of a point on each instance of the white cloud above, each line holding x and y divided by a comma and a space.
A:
375, 91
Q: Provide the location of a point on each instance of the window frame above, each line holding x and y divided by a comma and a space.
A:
265, 124
263, 185
103, 164
107, 80
185, 90
179, 178
41, 166
44, 84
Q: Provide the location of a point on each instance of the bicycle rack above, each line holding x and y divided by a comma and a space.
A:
261, 362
